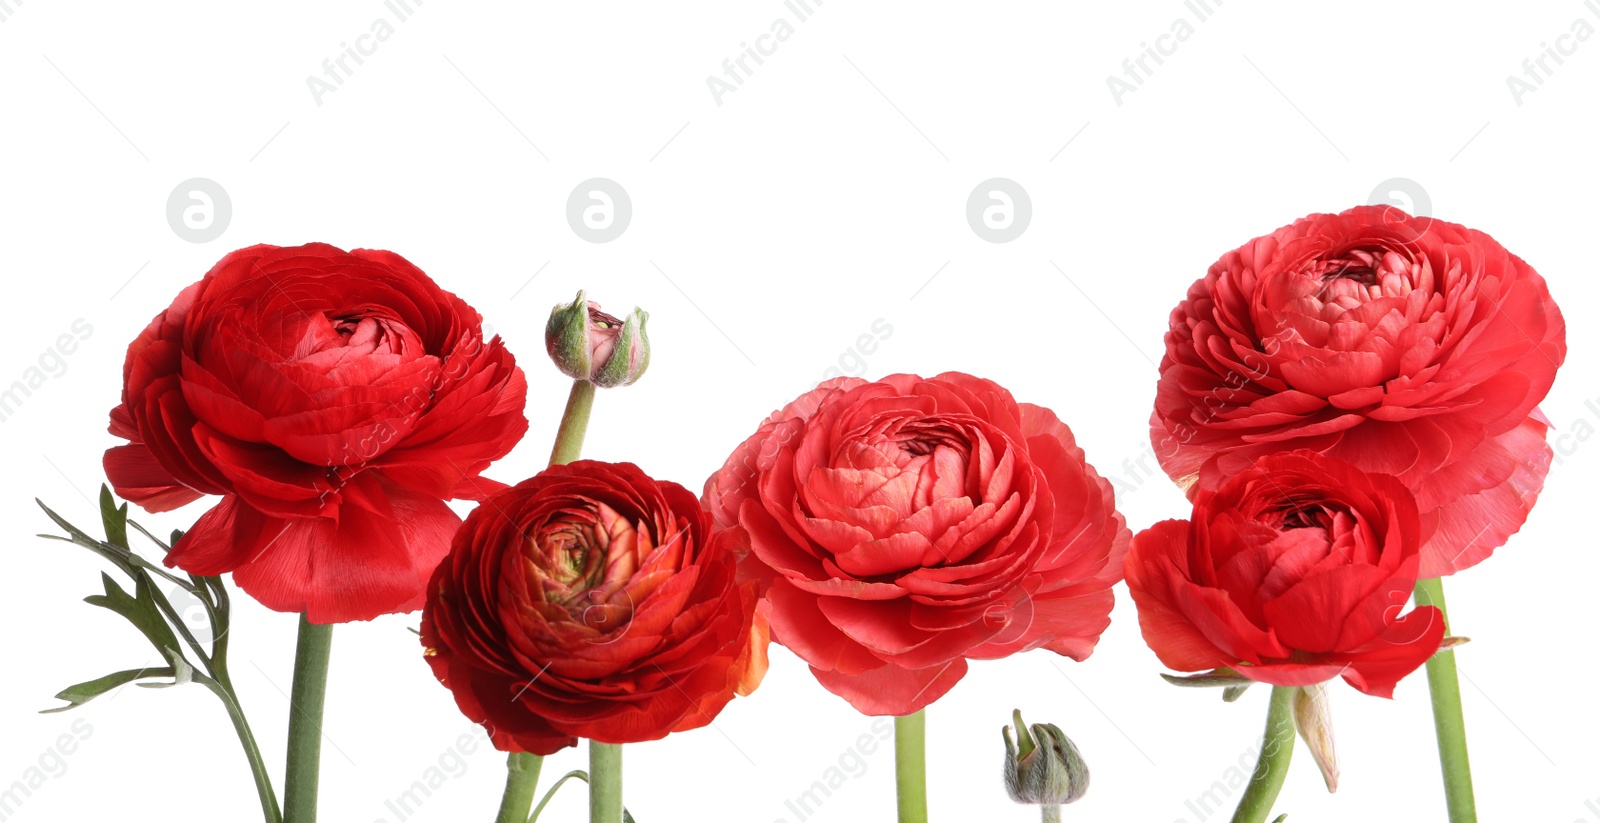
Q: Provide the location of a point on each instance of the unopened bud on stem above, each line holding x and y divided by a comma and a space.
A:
1043, 767
588, 344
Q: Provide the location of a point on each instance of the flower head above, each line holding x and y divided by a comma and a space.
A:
904, 526
1293, 572
335, 400
592, 601
1402, 345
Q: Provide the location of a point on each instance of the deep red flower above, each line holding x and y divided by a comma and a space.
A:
904, 526
592, 601
335, 400
1403, 345
1295, 571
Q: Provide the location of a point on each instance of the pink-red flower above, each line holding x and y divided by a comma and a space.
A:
1403, 345
335, 400
905, 526
1293, 572
592, 601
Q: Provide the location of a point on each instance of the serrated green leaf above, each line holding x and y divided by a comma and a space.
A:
76, 533
114, 518
139, 609
84, 692
117, 556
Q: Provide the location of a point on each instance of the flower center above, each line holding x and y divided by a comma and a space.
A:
1290, 515
583, 560
1364, 274
332, 342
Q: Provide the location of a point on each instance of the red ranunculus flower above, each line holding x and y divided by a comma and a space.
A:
592, 601
1404, 345
1293, 572
904, 526
336, 400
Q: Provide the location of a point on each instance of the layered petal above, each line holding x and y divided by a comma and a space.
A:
1409, 346
903, 526
1293, 572
336, 399
593, 601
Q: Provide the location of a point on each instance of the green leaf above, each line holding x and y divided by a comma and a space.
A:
148, 536
201, 589
219, 595
1233, 693
118, 556
182, 672
114, 518
139, 609
1216, 677
77, 534
84, 692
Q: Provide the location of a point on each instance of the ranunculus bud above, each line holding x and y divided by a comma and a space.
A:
1314, 721
588, 344
1043, 767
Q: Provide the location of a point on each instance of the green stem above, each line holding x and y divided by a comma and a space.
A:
258, 766
550, 794
574, 422
1448, 723
522, 780
1277, 746
522, 770
306, 697
911, 766
605, 783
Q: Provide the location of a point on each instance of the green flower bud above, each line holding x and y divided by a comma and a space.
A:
588, 344
1043, 767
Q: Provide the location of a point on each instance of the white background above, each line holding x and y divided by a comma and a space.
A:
768, 234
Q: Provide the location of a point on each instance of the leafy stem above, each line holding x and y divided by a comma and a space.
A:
151, 611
